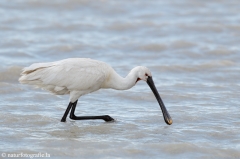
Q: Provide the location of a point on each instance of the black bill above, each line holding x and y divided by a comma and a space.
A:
166, 115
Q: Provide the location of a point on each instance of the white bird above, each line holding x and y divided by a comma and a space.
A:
80, 76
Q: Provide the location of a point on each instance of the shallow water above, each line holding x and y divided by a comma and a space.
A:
191, 47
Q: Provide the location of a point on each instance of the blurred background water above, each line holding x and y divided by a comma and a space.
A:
191, 47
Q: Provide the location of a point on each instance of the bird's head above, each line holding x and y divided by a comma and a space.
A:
142, 73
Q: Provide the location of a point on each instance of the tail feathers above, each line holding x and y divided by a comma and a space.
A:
32, 79
32, 75
36, 66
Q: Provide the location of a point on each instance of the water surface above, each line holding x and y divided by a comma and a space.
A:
191, 47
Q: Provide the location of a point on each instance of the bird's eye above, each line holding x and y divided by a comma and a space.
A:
146, 74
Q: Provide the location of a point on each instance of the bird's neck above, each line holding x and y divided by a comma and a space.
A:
119, 83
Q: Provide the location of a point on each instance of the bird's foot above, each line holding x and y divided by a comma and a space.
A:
63, 120
107, 118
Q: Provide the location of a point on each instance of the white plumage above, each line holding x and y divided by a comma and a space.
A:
76, 76
79, 76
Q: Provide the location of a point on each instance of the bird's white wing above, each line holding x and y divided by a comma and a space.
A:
67, 75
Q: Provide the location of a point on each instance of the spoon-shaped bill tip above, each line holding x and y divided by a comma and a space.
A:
168, 120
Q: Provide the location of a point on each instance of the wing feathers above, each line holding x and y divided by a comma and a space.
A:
61, 77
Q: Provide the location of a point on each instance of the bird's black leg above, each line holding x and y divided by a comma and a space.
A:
73, 117
67, 111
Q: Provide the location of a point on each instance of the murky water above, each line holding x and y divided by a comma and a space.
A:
191, 47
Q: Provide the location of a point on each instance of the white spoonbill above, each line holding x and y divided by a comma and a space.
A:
80, 76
